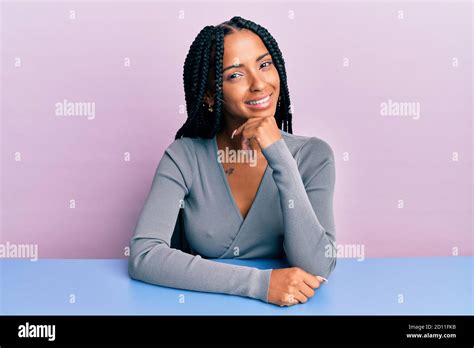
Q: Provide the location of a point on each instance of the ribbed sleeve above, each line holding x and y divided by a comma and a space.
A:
306, 186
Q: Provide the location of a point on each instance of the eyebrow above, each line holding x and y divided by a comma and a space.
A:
239, 65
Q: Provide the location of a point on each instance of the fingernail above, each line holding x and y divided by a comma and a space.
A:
232, 136
322, 279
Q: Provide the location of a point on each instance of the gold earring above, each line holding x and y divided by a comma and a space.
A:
209, 107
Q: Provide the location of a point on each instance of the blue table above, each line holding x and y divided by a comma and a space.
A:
376, 286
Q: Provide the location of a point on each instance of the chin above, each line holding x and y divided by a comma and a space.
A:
263, 113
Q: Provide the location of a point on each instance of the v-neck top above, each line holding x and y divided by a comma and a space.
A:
291, 217
226, 183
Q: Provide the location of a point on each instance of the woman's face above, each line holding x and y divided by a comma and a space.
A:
249, 75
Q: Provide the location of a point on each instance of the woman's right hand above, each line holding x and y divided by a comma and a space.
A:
289, 286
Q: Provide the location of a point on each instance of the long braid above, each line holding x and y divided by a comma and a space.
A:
219, 34
202, 120
196, 67
206, 54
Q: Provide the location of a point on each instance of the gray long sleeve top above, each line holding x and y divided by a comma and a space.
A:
291, 216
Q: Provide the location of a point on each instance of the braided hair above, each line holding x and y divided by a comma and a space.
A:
203, 72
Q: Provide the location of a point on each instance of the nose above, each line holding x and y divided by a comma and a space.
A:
257, 82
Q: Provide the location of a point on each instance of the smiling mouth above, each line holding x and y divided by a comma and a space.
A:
259, 101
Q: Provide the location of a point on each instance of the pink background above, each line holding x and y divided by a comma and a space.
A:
137, 110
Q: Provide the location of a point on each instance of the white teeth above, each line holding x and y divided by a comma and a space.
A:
261, 101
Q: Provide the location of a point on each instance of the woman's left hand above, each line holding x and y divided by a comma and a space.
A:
263, 129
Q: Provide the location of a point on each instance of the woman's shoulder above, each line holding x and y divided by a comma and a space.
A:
181, 151
308, 147
190, 143
183, 142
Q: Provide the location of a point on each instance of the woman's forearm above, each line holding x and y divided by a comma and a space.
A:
306, 203
156, 263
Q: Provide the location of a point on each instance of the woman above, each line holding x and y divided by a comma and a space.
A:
237, 99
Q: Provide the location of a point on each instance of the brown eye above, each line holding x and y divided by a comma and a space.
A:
230, 76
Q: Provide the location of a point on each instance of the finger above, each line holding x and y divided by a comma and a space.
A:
245, 141
240, 129
322, 279
290, 300
249, 131
237, 131
246, 144
247, 136
306, 290
300, 297
311, 280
